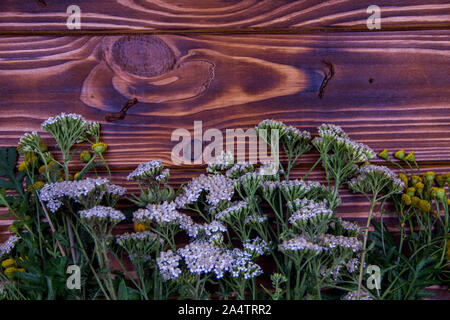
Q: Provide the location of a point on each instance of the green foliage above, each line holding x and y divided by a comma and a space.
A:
403, 276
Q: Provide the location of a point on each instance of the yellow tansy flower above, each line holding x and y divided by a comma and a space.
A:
384, 154
22, 166
441, 180
429, 176
415, 201
411, 191
424, 205
400, 154
406, 199
403, 177
141, 227
9, 263
410, 157
99, 147
438, 193
36, 186
85, 156
419, 187
415, 180
42, 169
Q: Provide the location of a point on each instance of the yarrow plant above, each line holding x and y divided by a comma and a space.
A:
223, 234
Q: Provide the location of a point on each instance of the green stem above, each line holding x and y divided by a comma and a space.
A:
366, 235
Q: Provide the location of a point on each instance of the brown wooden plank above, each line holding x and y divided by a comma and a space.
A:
390, 90
221, 15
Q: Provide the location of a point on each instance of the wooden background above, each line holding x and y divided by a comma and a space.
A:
230, 64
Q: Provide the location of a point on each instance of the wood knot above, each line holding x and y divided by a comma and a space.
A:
143, 55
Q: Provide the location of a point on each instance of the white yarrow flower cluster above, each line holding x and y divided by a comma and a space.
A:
313, 212
372, 176
331, 242
159, 213
299, 204
300, 244
223, 161
204, 257
136, 236
62, 117
353, 295
169, 265
102, 213
8, 245
295, 189
256, 247
218, 188
29, 142
206, 230
54, 193
147, 170
235, 209
115, 190
291, 133
242, 265
239, 169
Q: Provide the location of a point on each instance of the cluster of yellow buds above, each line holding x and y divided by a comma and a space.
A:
400, 154
422, 190
10, 267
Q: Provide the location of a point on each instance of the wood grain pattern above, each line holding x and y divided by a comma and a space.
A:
390, 90
227, 15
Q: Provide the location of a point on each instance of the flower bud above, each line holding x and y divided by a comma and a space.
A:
85, 156
403, 177
99, 147
438, 193
400, 154
415, 201
410, 157
22, 166
415, 180
429, 176
9, 263
406, 199
384, 154
441, 180
424, 205
419, 188
411, 191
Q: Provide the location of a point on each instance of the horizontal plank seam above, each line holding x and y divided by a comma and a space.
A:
209, 31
